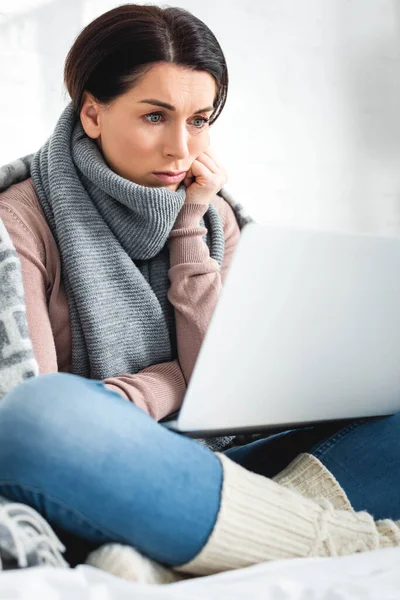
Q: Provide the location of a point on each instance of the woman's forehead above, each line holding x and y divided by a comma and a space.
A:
177, 86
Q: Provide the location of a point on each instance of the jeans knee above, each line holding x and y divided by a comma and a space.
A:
59, 421
32, 400
39, 418
396, 419
389, 427
47, 395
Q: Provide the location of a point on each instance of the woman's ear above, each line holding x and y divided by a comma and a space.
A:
90, 116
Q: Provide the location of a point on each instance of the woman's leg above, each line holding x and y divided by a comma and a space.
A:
99, 468
363, 457
268, 456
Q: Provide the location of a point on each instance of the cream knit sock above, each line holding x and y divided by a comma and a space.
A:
261, 520
128, 563
389, 533
309, 477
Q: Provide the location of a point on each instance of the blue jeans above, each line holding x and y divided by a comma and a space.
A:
101, 470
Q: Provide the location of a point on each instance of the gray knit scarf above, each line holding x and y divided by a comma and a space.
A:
112, 236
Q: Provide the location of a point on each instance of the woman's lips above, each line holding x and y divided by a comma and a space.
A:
170, 178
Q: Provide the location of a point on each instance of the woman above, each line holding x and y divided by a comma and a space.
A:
122, 269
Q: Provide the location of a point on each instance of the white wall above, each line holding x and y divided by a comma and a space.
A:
310, 133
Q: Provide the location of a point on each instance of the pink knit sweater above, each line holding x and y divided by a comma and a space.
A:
195, 285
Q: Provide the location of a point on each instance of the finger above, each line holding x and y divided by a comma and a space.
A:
199, 168
189, 176
214, 167
208, 162
202, 173
212, 155
188, 179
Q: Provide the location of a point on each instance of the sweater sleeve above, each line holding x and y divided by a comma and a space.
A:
195, 279
158, 389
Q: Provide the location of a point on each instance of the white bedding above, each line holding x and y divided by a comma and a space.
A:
371, 575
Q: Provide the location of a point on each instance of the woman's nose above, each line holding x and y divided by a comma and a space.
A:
177, 143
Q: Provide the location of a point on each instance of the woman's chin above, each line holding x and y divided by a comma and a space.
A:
155, 183
173, 186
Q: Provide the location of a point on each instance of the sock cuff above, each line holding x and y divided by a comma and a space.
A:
307, 475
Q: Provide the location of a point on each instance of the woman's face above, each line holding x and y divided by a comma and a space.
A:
138, 137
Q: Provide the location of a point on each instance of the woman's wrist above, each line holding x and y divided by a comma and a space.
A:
189, 216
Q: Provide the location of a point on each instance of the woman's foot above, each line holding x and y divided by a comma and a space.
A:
126, 562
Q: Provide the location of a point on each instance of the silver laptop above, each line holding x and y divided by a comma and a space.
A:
306, 329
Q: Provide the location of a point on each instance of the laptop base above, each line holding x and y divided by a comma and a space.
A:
269, 429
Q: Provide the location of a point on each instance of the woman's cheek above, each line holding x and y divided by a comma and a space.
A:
141, 142
203, 142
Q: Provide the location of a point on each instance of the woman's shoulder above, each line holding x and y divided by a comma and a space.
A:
20, 209
21, 196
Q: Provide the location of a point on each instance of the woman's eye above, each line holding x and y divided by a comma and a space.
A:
204, 121
149, 118
153, 115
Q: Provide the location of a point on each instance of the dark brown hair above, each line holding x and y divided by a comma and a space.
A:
115, 50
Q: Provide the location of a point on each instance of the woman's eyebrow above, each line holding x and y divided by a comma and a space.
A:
170, 107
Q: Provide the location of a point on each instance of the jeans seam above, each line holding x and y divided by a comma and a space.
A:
47, 497
323, 447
